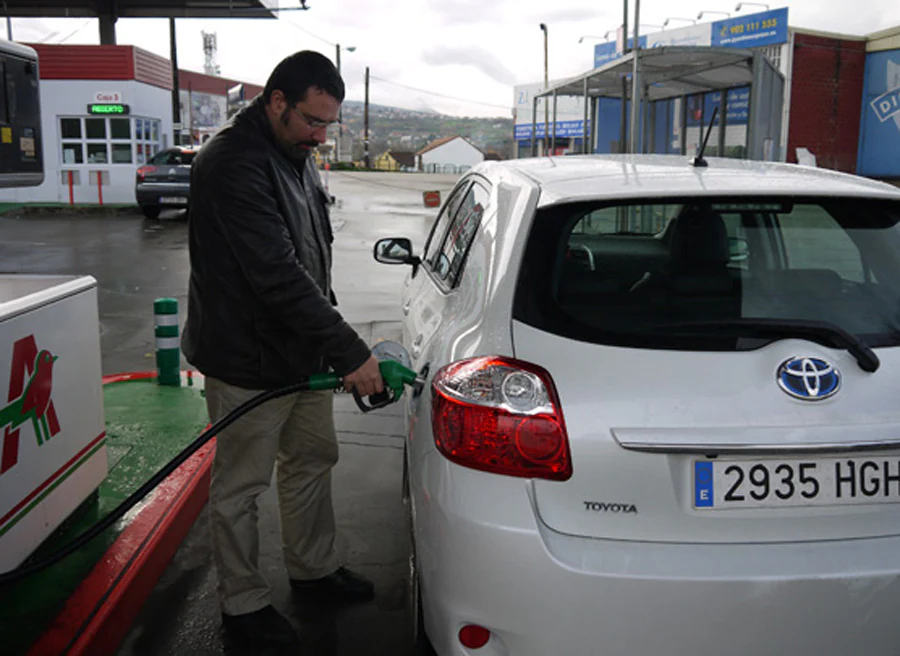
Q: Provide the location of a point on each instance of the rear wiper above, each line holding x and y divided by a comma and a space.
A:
821, 332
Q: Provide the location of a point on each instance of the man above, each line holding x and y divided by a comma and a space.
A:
261, 316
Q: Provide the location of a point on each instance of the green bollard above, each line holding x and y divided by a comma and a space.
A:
168, 351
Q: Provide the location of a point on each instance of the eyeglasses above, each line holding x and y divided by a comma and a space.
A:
313, 123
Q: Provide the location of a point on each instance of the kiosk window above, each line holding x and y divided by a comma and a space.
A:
95, 128
120, 128
70, 128
73, 153
121, 153
97, 153
93, 140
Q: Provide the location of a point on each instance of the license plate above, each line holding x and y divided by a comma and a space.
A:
179, 200
779, 483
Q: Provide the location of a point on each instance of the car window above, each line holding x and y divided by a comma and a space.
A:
173, 158
644, 219
460, 234
625, 274
439, 230
813, 241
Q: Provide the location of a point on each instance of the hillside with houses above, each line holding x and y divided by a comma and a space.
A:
394, 128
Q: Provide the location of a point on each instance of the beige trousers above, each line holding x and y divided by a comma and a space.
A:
297, 432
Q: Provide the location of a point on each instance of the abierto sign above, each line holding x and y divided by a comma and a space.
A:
108, 108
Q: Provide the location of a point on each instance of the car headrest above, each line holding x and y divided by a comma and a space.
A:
699, 241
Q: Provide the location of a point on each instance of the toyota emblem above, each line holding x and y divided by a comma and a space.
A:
809, 379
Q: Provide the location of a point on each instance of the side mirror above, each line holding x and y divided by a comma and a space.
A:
396, 250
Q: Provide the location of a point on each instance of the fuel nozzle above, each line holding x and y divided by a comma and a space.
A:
394, 363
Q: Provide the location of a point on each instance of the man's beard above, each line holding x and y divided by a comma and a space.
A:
298, 151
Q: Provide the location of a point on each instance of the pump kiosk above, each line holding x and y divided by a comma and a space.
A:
52, 440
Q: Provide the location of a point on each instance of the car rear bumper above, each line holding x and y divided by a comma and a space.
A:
161, 193
486, 558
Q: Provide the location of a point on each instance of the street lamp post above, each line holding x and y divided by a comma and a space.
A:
635, 85
8, 22
700, 15
546, 87
340, 134
690, 20
605, 37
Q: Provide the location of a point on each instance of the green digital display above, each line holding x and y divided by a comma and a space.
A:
108, 108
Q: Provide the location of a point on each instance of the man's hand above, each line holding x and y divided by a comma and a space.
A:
367, 379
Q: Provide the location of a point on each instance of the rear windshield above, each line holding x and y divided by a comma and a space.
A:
173, 158
635, 274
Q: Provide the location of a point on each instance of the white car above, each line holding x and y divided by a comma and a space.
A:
662, 413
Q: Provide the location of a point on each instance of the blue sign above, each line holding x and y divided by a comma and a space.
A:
879, 134
563, 129
766, 28
703, 484
606, 52
738, 106
887, 105
700, 107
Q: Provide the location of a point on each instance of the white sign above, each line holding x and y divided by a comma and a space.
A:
692, 35
568, 108
108, 97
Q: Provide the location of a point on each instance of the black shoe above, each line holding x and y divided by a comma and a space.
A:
263, 627
342, 585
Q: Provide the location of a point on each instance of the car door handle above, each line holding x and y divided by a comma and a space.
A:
406, 307
416, 350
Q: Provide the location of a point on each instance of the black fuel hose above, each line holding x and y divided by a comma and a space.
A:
26, 570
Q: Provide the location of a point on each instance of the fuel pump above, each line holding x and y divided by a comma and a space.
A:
21, 150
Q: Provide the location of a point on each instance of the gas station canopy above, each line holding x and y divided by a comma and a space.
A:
139, 8
666, 72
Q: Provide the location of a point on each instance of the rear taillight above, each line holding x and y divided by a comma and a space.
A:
500, 415
144, 170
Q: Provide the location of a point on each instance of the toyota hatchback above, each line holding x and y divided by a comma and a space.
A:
662, 410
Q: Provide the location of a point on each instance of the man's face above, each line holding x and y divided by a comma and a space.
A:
305, 124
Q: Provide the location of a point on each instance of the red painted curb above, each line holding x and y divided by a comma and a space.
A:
99, 614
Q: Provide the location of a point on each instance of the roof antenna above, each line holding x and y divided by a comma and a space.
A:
698, 160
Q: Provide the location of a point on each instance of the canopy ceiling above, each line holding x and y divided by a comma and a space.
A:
667, 72
141, 8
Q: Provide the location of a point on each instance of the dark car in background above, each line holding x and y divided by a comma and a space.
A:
165, 181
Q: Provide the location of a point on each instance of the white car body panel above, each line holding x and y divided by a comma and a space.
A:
524, 558
608, 391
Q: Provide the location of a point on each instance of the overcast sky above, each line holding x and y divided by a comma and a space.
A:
473, 51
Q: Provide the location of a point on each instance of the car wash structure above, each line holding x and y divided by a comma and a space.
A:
678, 88
682, 76
838, 98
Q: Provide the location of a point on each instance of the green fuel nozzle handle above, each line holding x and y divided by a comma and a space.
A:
395, 376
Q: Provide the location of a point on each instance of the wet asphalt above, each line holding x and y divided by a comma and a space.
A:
135, 261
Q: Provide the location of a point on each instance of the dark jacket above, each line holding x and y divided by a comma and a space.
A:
260, 304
